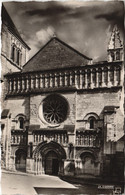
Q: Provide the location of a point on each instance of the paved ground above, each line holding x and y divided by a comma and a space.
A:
23, 184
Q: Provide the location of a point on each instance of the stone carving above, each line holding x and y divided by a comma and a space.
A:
33, 110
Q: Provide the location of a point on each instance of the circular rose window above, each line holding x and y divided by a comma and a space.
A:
54, 109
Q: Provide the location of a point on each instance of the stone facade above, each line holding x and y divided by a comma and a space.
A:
63, 114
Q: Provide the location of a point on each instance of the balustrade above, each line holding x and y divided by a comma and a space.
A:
18, 139
81, 79
87, 140
61, 138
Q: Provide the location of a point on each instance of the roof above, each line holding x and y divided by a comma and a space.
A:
54, 55
6, 19
5, 113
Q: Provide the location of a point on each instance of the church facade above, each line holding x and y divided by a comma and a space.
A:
63, 114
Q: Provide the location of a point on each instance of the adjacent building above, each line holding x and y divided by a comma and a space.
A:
62, 113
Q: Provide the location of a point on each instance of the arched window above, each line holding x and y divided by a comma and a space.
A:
92, 122
16, 54
21, 122
18, 57
118, 55
112, 56
13, 52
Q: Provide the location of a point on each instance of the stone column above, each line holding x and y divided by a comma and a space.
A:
61, 79
108, 82
66, 79
41, 82
32, 82
29, 83
46, 81
18, 84
51, 80
109, 78
14, 85
23, 84
70, 79
91, 81
97, 78
56, 80
37, 82
83, 79
80, 79
103, 74
86, 81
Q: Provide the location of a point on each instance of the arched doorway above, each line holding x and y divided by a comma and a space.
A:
88, 166
51, 163
20, 160
49, 158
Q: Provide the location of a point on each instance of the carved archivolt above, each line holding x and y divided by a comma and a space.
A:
44, 147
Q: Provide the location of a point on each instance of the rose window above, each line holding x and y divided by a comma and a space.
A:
55, 109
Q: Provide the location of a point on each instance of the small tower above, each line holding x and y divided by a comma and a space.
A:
115, 47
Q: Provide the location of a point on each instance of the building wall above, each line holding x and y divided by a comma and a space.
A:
82, 103
7, 40
95, 102
79, 106
35, 101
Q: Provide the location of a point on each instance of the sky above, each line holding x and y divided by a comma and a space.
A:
84, 25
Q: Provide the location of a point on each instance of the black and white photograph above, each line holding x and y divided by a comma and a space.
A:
62, 97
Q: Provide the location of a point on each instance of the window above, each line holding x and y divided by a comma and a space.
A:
18, 57
21, 122
13, 52
92, 122
112, 56
54, 109
118, 55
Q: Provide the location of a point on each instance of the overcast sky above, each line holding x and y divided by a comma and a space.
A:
86, 26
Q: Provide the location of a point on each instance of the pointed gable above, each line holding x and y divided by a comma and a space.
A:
54, 55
